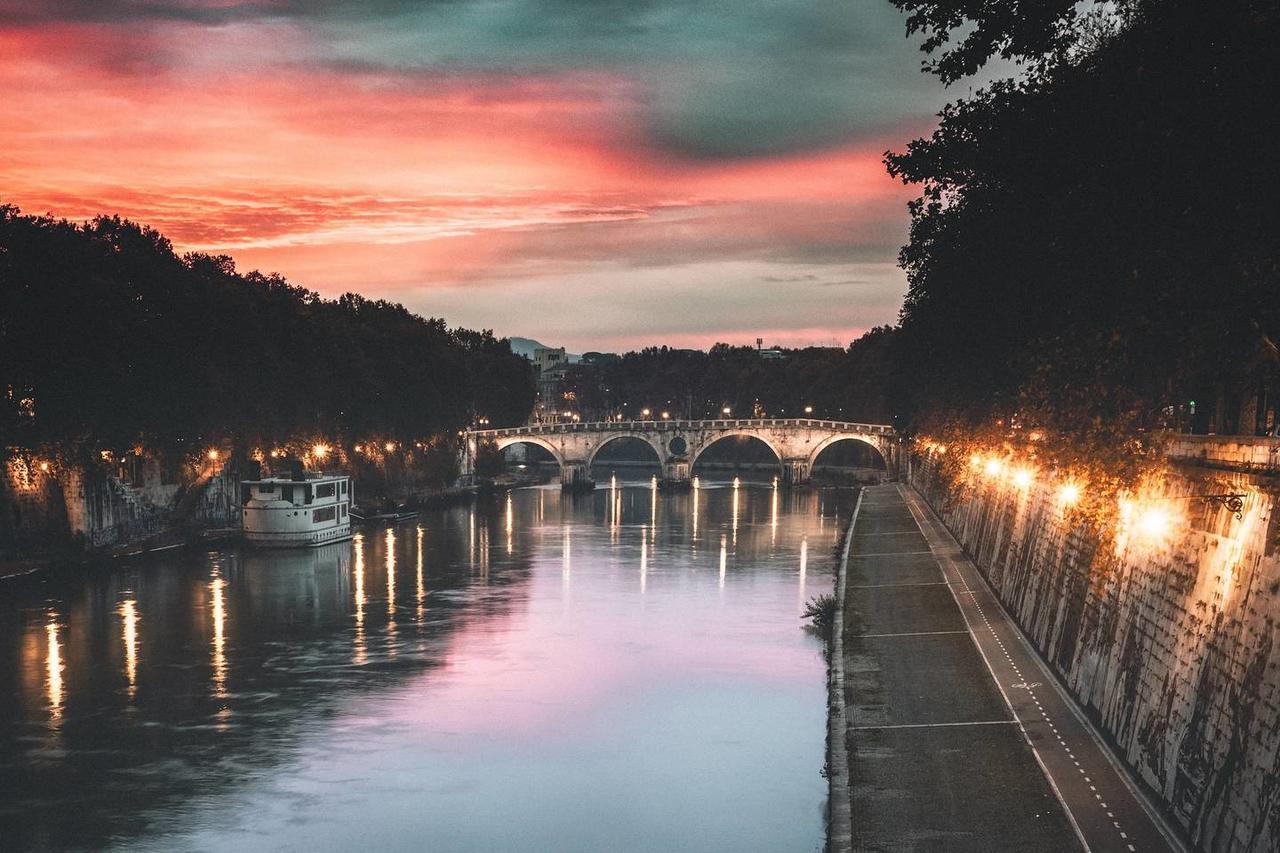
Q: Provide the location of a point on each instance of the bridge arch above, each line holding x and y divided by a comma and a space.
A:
836, 439
660, 452
507, 441
715, 439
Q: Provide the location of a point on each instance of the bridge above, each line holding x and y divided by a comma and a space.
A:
796, 442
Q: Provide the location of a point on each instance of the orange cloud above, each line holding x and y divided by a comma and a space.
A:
378, 181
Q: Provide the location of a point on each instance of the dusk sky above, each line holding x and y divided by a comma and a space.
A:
599, 174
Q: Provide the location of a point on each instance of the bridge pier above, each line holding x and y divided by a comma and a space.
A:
576, 476
676, 474
795, 472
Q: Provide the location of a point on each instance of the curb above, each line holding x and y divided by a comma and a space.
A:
839, 806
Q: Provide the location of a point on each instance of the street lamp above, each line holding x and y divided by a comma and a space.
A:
808, 410
644, 412
666, 415
726, 411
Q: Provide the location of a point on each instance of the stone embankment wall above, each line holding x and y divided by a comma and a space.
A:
1168, 644
61, 510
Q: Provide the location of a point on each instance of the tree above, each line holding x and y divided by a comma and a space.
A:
109, 340
1095, 243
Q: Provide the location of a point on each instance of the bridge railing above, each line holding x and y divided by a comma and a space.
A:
649, 425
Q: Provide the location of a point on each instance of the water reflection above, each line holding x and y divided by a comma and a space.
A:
510, 522
773, 514
420, 590
804, 563
359, 653
129, 632
218, 609
53, 670
736, 486
697, 488
391, 589
644, 558
278, 702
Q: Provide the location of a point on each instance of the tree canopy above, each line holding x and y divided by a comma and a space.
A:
1097, 241
109, 339
836, 383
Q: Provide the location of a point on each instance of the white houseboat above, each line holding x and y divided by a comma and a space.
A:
297, 512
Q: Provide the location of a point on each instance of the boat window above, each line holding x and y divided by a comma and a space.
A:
344, 487
344, 510
286, 492
306, 493
246, 493
266, 489
326, 490
328, 513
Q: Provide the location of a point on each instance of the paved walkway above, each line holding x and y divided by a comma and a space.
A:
959, 740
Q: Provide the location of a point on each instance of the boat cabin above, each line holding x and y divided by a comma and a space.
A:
297, 512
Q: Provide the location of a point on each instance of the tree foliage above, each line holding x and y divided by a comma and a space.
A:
109, 339
1097, 242
849, 383
1031, 31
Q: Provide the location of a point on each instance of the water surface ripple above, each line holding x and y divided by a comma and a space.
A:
619, 671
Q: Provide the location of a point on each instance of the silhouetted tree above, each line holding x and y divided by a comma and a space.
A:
1097, 241
108, 339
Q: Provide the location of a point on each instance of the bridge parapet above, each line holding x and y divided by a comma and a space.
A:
669, 425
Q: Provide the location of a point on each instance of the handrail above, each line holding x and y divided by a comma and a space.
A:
649, 425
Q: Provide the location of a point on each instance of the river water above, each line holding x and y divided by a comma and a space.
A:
618, 671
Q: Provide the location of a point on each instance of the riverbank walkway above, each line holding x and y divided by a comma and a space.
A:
958, 738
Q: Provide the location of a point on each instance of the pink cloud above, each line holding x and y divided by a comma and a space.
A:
388, 182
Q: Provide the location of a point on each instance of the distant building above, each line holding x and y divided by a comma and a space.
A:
549, 366
548, 357
772, 354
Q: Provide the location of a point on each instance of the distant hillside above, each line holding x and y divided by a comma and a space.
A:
526, 346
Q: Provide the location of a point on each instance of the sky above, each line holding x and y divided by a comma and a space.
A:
598, 174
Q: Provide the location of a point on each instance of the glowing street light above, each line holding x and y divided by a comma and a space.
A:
320, 450
644, 412
1069, 494
993, 468
213, 454
666, 415
1154, 523
726, 411
808, 410
1023, 478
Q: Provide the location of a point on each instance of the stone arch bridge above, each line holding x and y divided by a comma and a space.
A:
678, 444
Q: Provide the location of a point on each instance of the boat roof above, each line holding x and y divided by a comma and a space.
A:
307, 477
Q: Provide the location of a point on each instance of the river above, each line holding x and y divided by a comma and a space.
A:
622, 671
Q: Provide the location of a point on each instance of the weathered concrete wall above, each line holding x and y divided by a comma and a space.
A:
58, 507
33, 516
1170, 647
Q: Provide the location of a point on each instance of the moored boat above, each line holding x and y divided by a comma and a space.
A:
303, 511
